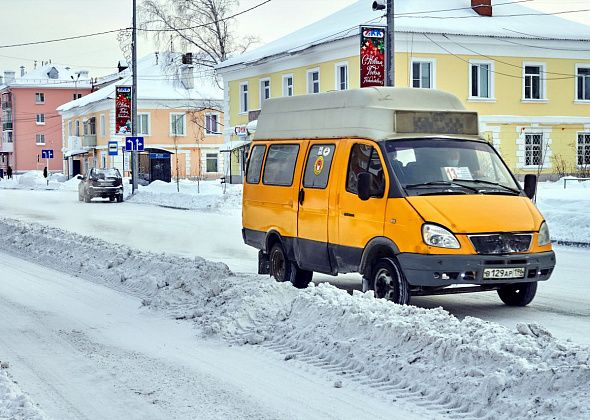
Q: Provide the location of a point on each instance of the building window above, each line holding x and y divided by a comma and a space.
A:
212, 162
584, 149
78, 128
39, 98
177, 124
143, 124
313, 81
342, 76
533, 82
212, 123
582, 83
533, 149
244, 97
103, 129
288, 85
40, 139
423, 74
264, 90
90, 127
40, 118
70, 128
77, 96
480, 79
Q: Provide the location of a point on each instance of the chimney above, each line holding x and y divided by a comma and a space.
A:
22, 71
9, 77
186, 77
482, 7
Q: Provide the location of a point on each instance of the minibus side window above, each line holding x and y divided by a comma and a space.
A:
317, 168
255, 164
364, 158
280, 164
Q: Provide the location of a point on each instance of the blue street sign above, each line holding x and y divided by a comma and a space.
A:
159, 156
134, 144
113, 148
47, 154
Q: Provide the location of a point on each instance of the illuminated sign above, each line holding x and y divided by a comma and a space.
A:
372, 56
432, 122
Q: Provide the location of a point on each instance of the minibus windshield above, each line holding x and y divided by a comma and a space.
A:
446, 166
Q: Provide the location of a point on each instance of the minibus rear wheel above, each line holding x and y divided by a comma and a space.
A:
283, 269
389, 282
518, 294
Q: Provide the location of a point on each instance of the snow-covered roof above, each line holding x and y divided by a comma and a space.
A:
158, 78
51, 75
510, 20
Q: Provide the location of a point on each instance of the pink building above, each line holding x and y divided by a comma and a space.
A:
29, 120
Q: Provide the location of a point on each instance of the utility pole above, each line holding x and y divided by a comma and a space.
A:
390, 59
134, 154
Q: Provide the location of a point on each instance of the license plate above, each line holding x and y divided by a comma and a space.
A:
503, 273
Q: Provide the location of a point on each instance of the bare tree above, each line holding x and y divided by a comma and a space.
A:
203, 27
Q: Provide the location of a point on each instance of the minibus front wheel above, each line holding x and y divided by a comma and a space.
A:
389, 282
519, 294
282, 269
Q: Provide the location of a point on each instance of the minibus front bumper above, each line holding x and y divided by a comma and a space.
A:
446, 270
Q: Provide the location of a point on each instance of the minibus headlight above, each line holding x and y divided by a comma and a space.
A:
438, 236
544, 238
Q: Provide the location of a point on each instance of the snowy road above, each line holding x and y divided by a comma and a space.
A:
562, 303
82, 350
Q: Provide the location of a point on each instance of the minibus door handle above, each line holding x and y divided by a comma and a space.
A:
301, 196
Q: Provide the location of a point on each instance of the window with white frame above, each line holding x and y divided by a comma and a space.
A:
103, 127
423, 74
40, 139
533, 83
533, 149
244, 97
177, 124
211, 165
313, 81
264, 90
583, 149
39, 98
288, 85
342, 76
583, 83
40, 118
212, 123
143, 124
480, 80
78, 128
70, 128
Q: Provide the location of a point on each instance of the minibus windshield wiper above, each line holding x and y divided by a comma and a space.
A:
481, 181
440, 184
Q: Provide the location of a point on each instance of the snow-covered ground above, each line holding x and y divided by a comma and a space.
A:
14, 404
433, 362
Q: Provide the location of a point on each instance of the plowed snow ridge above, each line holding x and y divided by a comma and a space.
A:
469, 368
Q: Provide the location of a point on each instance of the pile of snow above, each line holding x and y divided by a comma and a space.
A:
466, 368
14, 404
190, 195
33, 180
566, 209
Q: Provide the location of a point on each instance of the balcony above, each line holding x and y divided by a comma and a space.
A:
6, 147
7, 126
89, 140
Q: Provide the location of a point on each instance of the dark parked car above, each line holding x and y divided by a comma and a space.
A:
105, 183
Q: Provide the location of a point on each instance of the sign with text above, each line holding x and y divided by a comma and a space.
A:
372, 56
123, 110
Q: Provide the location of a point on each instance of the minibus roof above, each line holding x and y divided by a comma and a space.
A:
377, 113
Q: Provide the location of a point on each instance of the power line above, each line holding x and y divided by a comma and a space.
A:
68, 38
506, 15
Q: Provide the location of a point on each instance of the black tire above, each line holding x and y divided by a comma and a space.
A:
119, 199
518, 294
87, 198
389, 282
283, 269
112, 198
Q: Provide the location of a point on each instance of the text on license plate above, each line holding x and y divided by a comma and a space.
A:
503, 273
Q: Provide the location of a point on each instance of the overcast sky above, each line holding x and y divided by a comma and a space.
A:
34, 20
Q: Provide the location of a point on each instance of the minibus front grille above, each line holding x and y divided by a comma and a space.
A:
501, 243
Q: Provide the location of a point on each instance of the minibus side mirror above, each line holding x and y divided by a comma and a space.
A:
364, 185
530, 185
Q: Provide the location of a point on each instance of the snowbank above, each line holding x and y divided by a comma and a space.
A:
14, 404
33, 180
466, 368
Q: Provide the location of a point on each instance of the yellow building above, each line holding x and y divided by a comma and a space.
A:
178, 112
526, 72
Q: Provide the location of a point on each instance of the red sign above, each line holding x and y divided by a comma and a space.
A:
372, 56
123, 110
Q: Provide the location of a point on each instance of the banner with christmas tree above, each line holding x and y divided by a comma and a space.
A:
372, 56
123, 110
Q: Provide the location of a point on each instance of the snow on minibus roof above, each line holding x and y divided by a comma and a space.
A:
371, 113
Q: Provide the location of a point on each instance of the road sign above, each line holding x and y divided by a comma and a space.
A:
134, 144
47, 154
113, 148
